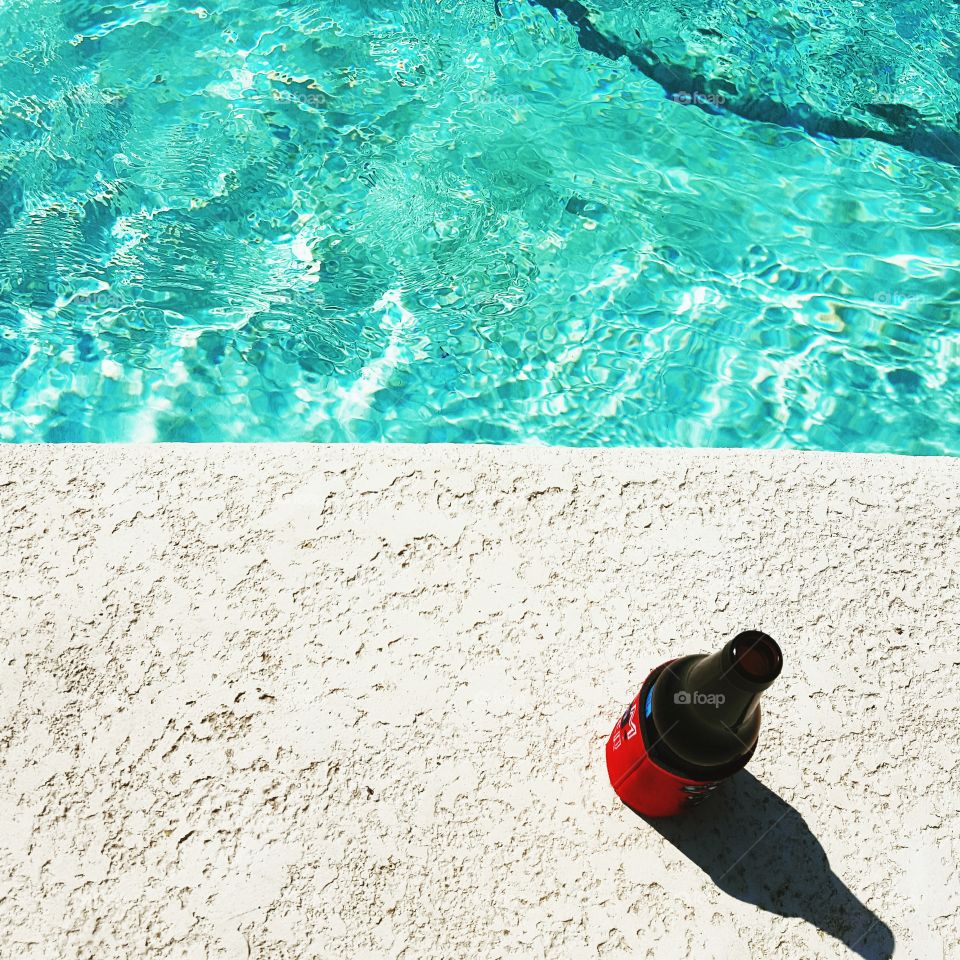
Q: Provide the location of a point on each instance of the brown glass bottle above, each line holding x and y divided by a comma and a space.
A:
705, 708
695, 722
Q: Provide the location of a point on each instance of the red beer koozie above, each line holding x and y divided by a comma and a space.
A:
694, 723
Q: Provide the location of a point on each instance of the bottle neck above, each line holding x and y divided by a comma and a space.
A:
707, 683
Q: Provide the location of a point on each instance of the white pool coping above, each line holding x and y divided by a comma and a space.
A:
351, 701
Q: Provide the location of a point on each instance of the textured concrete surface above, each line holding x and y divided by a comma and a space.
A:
351, 702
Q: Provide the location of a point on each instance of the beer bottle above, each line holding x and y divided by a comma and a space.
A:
694, 723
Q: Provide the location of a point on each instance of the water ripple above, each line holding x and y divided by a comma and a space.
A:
449, 221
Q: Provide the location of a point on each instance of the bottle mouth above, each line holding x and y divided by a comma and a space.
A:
756, 657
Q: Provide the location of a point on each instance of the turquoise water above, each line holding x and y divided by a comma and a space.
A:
473, 221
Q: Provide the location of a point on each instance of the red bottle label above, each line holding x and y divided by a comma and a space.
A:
638, 780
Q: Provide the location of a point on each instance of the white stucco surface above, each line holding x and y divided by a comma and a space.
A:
307, 701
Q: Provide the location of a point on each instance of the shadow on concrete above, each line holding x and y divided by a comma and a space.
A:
757, 848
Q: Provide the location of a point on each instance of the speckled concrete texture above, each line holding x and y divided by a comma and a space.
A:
307, 701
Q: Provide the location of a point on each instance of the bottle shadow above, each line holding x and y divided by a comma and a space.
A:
757, 848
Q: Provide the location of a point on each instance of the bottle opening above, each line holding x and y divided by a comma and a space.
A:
757, 657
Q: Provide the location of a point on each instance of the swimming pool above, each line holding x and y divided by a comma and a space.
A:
482, 221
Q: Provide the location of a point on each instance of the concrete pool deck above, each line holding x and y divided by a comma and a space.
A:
310, 701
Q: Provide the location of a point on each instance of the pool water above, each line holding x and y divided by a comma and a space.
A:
622, 223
